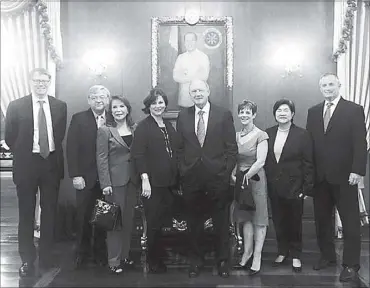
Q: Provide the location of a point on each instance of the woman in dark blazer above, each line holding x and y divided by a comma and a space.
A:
153, 151
290, 172
118, 178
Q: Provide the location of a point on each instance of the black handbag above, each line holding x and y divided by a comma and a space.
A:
106, 215
243, 192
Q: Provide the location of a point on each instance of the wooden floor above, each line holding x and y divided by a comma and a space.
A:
64, 275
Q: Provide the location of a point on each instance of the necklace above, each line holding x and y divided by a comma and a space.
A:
245, 132
283, 130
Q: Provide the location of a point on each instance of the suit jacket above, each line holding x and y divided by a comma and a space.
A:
81, 146
294, 173
342, 149
113, 158
219, 149
150, 154
19, 134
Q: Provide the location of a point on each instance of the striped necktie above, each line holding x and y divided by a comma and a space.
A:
327, 115
43, 132
201, 129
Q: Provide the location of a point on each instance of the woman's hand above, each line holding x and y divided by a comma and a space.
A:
107, 191
245, 181
146, 188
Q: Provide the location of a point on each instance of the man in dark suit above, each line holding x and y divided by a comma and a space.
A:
338, 130
207, 156
34, 130
82, 168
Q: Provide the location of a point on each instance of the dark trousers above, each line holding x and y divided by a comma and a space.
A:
157, 211
345, 198
45, 177
287, 219
206, 195
90, 239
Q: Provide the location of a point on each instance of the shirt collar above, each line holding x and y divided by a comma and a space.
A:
205, 109
96, 115
334, 102
35, 99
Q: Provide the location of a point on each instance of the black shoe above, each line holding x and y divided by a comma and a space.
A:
253, 272
116, 269
323, 263
277, 264
26, 270
246, 266
194, 271
158, 268
348, 274
223, 269
128, 263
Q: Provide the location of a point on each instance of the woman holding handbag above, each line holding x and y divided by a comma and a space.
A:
249, 177
290, 174
117, 179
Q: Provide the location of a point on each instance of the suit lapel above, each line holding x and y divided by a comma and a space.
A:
53, 113
271, 143
192, 125
335, 115
118, 137
211, 122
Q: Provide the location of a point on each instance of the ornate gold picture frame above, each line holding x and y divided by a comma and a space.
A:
214, 38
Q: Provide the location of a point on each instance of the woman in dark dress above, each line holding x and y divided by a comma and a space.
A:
154, 153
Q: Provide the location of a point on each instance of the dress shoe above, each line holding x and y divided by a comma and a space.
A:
223, 269
158, 268
116, 269
128, 263
277, 264
348, 274
194, 271
26, 270
246, 266
252, 272
323, 263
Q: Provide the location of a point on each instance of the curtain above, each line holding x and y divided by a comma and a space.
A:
353, 65
25, 46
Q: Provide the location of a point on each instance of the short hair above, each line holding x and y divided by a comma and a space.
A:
329, 74
42, 71
247, 104
96, 88
280, 102
191, 33
125, 101
152, 97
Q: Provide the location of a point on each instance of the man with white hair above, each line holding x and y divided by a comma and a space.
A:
81, 158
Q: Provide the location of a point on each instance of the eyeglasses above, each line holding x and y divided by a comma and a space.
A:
36, 81
101, 97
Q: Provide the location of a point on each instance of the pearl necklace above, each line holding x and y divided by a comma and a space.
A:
283, 130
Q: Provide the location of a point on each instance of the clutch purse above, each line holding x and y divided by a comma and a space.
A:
243, 192
106, 215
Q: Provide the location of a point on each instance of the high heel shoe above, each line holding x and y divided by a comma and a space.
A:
276, 263
246, 266
252, 272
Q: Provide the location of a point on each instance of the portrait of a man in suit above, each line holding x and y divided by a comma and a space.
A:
34, 130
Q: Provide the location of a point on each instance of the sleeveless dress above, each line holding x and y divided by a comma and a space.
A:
247, 155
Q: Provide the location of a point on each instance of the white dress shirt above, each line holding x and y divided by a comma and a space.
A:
205, 109
49, 123
332, 108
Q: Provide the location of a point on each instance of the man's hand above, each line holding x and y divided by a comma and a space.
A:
107, 191
146, 188
354, 179
79, 183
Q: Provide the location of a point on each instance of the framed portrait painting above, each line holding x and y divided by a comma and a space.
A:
182, 52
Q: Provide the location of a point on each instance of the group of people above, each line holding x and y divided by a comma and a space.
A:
110, 156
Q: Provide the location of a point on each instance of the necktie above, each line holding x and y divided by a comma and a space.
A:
43, 132
327, 115
201, 129
101, 121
